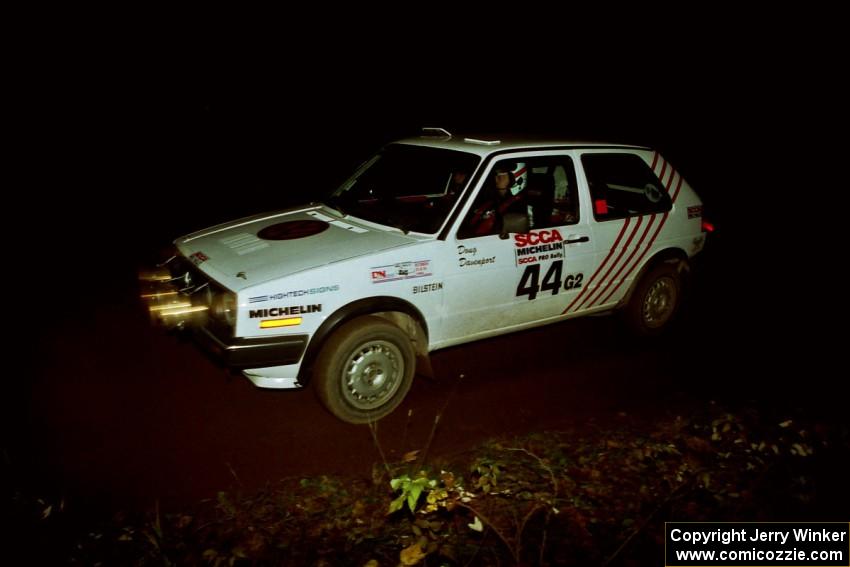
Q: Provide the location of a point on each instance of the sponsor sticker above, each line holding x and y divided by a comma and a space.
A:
427, 288
400, 271
198, 258
285, 311
538, 246
293, 293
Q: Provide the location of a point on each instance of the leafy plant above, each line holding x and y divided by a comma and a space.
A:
411, 490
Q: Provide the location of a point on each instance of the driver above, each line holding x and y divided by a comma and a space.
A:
505, 197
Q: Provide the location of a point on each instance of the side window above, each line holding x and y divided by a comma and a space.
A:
623, 185
552, 198
528, 193
565, 206
501, 203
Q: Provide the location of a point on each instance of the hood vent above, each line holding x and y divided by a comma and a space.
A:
244, 243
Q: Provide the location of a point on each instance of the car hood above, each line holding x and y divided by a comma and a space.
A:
253, 250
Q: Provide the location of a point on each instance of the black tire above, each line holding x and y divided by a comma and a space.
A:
364, 370
655, 301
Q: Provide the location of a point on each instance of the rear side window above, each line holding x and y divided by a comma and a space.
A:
623, 185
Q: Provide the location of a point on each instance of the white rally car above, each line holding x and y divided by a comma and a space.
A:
433, 242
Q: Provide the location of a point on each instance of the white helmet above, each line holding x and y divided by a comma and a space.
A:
518, 172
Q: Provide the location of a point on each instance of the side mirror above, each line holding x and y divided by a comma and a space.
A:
513, 223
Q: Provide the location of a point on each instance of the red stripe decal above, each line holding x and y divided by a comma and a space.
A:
626, 263
678, 186
617, 261
666, 183
601, 266
645, 250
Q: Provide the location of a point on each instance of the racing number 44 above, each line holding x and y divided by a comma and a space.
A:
530, 285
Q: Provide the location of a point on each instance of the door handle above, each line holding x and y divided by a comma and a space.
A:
574, 240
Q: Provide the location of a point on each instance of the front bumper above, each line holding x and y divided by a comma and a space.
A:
181, 296
253, 352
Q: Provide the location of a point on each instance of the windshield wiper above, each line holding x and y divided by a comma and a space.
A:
396, 225
334, 204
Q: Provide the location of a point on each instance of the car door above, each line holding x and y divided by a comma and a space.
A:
629, 204
504, 280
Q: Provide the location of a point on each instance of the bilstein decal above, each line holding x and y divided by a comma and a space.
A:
285, 311
428, 287
400, 271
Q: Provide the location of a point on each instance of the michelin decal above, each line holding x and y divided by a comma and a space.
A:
285, 311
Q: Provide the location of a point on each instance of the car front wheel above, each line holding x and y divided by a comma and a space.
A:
365, 369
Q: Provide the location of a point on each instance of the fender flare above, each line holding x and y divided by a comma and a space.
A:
668, 255
358, 308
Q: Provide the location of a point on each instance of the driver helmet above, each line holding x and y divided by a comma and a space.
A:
518, 172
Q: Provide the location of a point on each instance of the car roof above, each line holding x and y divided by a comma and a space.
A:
490, 144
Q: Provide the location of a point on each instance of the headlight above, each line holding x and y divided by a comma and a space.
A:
223, 307
179, 295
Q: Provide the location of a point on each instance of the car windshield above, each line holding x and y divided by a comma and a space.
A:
412, 188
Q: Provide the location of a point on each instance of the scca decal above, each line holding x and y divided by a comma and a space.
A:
283, 311
539, 237
529, 283
540, 246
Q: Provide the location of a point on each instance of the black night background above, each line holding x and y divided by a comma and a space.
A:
124, 145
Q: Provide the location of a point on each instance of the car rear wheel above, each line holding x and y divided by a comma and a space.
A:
364, 370
655, 301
